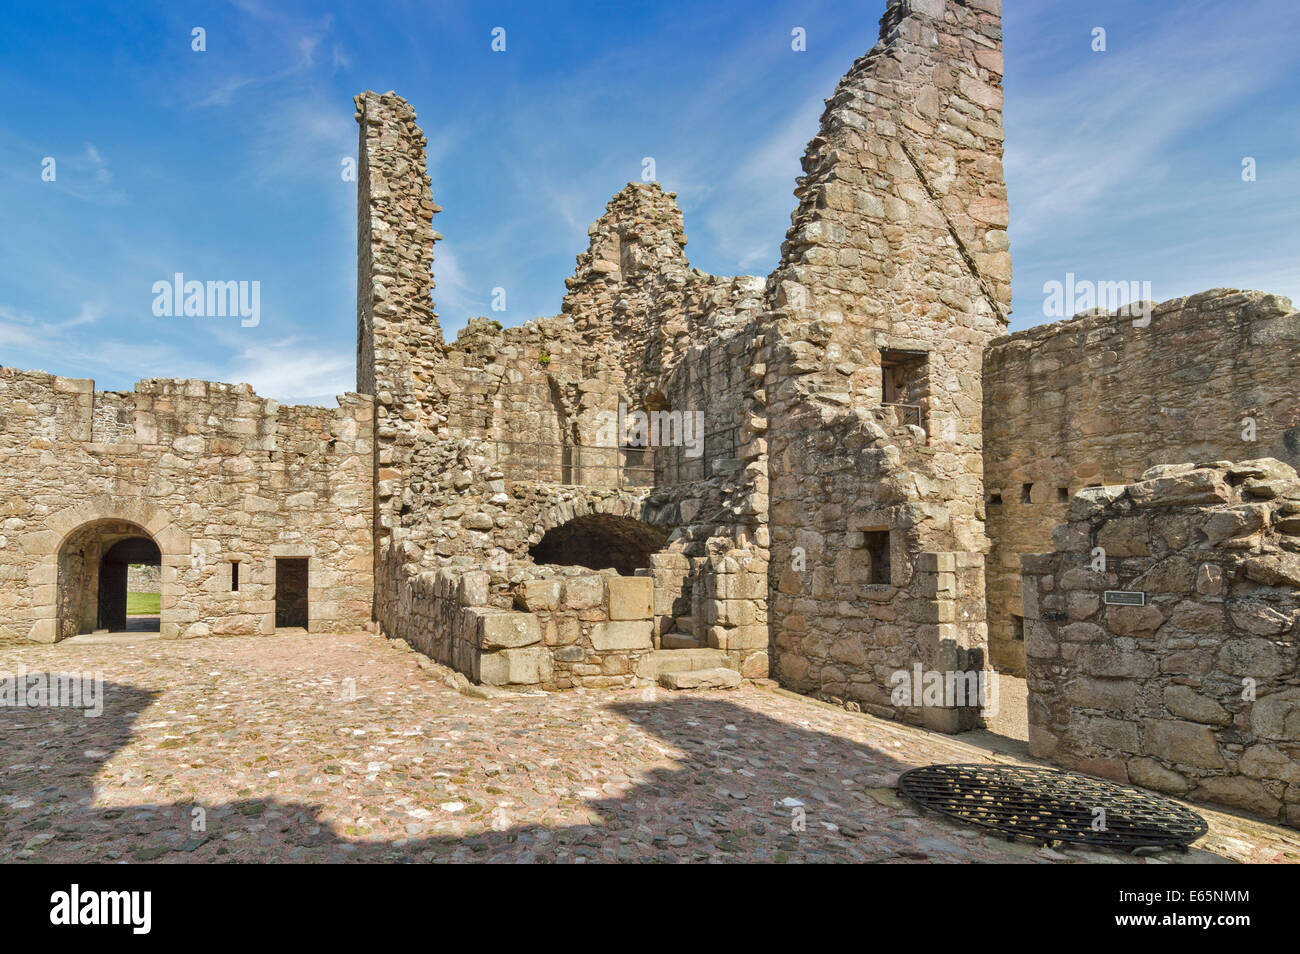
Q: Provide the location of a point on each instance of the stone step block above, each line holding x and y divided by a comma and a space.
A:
686, 660
680, 640
718, 678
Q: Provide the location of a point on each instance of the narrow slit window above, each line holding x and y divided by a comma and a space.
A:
877, 546
1026, 492
234, 576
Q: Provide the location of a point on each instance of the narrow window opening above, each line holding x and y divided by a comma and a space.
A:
1026, 492
1062, 494
905, 383
1018, 628
876, 543
234, 576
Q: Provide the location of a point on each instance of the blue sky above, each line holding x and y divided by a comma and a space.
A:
226, 164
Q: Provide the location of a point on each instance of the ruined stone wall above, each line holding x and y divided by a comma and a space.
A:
897, 252
211, 472
399, 340
551, 628
686, 343
636, 300
1100, 398
535, 392
112, 418
896, 259
487, 443
1196, 692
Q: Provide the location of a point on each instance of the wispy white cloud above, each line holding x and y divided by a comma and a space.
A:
301, 136
1082, 144
86, 175
270, 36
294, 371
456, 298
760, 192
17, 326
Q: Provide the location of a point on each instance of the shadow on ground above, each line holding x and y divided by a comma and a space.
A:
758, 789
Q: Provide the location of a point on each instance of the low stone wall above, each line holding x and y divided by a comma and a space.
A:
143, 578
551, 628
1196, 692
597, 627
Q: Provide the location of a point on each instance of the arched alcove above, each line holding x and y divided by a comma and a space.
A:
600, 541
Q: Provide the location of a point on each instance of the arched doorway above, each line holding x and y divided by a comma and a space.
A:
94, 569
600, 541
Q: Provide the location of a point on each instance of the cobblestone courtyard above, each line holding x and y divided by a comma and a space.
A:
262, 735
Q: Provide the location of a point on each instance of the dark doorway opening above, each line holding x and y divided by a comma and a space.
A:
600, 541
120, 609
291, 592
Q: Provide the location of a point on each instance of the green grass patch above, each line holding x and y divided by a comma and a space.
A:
143, 604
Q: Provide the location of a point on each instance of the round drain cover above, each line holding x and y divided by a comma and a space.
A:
1049, 805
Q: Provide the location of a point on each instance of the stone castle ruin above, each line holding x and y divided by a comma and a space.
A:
827, 477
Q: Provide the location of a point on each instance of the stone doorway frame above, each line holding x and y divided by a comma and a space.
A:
173, 544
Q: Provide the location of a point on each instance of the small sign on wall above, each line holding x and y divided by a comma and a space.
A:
1124, 598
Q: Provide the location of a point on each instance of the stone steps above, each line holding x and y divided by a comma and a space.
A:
687, 660
680, 640
717, 678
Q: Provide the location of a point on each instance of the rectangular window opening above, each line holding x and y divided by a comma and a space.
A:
876, 543
1026, 493
1062, 494
234, 576
905, 383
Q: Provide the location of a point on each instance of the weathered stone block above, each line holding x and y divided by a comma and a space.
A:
1245, 793
1133, 620
622, 635
1182, 743
1195, 487
584, 592
528, 666
535, 595
1185, 702
1149, 773
701, 679
1107, 661
502, 629
630, 597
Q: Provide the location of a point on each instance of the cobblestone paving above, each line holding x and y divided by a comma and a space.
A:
262, 739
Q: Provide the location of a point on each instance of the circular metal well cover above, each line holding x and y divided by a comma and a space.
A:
1049, 805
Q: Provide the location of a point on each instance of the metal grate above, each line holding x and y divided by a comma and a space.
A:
907, 413
1050, 805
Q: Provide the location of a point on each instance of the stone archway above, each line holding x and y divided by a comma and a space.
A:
91, 592
91, 520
